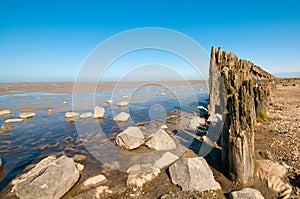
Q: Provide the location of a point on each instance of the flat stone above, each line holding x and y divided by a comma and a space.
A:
195, 122
122, 117
193, 174
71, 114
98, 112
165, 160
86, 115
139, 174
130, 138
51, 178
123, 103
246, 193
94, 181
5, 112
26, 115
13, 120
161, 141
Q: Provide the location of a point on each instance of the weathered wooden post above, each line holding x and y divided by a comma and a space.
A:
235, 85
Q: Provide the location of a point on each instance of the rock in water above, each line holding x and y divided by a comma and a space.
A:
122, 117
246, 193
195, 122
13, 120
5, 112
99, 112
0, 163
50, 178
139, 174
109, 101
123, 103
94, 181
71, 114
26, 115
79, 158
165, 160
193, 174
130, 138
86, 115
161, 141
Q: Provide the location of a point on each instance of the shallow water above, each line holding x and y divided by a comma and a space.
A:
29, 141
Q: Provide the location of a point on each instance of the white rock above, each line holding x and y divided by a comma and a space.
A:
165, 160
71, 114
94, 181
130, 138
86, 115
13, 120
195, 122
122, 117
202, 108
99, 112
193, 174
139, 174
246, 193
161, 141
50, 178
5, 112
123, 103
26, 115
109, 101
162, 94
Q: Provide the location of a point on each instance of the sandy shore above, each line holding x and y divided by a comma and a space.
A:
67, 87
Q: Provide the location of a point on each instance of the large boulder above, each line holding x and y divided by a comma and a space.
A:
130, 138
99, 112
50, 178
161, 141
26, 115
122, 117
195, 122
193, 174
246, 193
139, 174
165, 160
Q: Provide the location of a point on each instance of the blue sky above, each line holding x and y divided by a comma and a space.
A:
49, 40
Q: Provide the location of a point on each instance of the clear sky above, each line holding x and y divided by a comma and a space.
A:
49, 40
